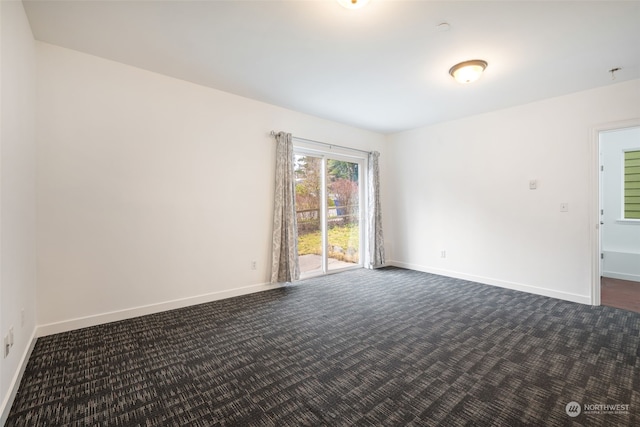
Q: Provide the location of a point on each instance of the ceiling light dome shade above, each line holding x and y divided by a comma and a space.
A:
353, 4
468, 71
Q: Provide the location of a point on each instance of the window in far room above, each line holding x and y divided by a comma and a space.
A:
632, 184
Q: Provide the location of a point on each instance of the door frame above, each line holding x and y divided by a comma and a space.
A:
326, 155
595, 234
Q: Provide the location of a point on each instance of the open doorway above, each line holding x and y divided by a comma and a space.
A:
619, 203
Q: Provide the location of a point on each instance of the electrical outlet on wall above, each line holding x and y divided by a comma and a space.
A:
6, 346
8, 342
254, 265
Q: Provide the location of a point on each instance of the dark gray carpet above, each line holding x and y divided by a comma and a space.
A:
386, 347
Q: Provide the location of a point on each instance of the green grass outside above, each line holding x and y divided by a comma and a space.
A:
346, 237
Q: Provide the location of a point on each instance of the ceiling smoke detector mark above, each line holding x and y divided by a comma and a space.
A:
613, 72
442, 27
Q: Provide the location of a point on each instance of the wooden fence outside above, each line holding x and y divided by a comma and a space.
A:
309, 219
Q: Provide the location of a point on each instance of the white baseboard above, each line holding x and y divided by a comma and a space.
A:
15, 381
582, 299
114, 316
621, 265
621, 276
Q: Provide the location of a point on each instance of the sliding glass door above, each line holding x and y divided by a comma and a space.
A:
329, 212
343, 213
309, 172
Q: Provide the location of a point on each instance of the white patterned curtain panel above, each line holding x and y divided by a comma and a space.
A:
376, 239
284, 263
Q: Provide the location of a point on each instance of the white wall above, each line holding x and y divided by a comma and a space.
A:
620, 239
17, 193
463, 187
152, 190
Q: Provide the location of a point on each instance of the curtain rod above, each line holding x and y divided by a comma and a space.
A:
273, 133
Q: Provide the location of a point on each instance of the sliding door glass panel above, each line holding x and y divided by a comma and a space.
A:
342, 213
309, 174
328, 210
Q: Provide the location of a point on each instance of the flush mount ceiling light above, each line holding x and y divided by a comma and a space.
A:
353, 4
468, 71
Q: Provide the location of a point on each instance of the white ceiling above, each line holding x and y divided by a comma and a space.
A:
383, 67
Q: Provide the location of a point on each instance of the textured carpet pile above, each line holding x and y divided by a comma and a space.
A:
390, 347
